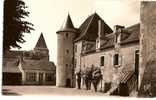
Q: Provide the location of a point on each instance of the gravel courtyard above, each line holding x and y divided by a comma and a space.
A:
47, 90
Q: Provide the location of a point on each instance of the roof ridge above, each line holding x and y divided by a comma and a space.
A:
133, 25
90, 22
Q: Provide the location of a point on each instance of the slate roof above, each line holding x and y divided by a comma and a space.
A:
41, 42
38, 65
89, 28
11, 66
134, 35
67, 25
129, 35
109, 41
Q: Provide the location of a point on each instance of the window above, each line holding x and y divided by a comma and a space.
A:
75, 61
67, 35
31, 76
67, 51
102, 61
40, 77
136, 61
98, 44
75, 49
66, 65
137, 64
48, 76
116, 59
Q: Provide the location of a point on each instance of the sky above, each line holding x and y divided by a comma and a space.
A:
48, 16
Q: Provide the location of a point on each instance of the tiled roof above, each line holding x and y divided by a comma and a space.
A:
134, 34
109, 41
11, 66
89, 29
41, 42
38, 65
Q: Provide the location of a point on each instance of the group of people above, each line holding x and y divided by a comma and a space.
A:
90, 75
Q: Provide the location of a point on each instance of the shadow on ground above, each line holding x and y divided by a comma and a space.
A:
9, 93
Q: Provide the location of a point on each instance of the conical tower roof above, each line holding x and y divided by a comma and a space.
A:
41, 42
67, 25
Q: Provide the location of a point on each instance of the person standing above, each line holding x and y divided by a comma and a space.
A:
78, 75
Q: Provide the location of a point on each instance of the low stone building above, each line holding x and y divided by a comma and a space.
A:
29, 67
11, 73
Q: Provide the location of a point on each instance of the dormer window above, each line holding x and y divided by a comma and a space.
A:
117, 31
97, 44
117, 38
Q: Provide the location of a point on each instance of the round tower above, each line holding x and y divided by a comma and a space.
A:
65, 53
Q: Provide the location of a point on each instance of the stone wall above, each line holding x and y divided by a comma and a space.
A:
147, 70
65, 54
77, 54
110, 73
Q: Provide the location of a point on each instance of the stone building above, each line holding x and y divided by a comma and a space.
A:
95, 43
29, 67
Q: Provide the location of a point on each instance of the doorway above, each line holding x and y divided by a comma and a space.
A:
137, 65
68, 83
40, 78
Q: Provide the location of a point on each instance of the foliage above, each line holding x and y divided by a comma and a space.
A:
14, 24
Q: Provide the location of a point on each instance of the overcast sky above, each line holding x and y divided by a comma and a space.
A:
48, 16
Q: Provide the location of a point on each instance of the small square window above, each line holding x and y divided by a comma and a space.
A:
67, 51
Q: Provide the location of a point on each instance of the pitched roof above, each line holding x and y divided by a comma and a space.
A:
41, 42
89, 28
109, 41
13, 54
130, 35
67, 25
134, 35
38, 65
11, 66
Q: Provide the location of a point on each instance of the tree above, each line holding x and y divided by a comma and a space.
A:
14, 24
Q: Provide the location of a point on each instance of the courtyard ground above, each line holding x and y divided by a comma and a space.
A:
47, 90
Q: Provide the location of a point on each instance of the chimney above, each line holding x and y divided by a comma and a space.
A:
100, 28
118, 28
